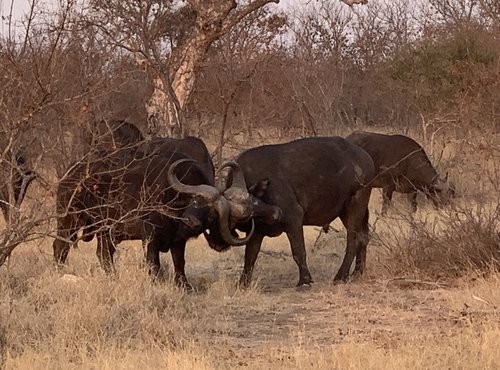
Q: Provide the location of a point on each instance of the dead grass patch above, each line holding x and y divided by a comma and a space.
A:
456, 241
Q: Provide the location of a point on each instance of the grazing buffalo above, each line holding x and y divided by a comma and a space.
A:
125, 195
313, 181
15, 178
401, 165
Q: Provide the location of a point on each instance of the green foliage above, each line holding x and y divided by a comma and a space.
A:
435, 71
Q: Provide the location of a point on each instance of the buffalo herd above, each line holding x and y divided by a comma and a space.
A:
163, 191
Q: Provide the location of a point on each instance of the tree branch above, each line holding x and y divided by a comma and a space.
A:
352, 2
243, 12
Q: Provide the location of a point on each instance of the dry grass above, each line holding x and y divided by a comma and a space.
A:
459, 240
94, 322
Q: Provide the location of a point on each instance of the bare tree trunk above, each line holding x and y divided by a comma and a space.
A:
213, 19
157, 108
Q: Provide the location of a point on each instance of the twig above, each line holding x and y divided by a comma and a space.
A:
482, 300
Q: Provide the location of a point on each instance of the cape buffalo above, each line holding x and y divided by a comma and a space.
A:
113, 134
19, 176
121, 196
136, 148
313, 181
191, 146
401, 165
109, 135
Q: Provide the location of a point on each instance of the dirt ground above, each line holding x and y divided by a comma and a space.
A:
375, 309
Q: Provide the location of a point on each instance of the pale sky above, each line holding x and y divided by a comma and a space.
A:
21, 6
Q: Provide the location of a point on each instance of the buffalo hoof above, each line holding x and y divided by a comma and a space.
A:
185, 286
357, 275
182, 283
244, 282
305, 283
304, 287
338, 282
341, 278
158, 277
305, 279
59, 266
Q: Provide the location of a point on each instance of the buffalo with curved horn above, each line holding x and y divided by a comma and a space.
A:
313, 181
120, 197
216, 199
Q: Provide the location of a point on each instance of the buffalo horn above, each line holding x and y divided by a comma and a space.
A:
208, 192
238, 177
223, 210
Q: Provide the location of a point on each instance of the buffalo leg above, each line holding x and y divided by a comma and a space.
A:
412, 198
105, 252
387, 198
178, 251
251, 252
151, 247
5, 208
350, 253
153, 258
61, 247
61, 251
355, 218
432, 195
363, 236
296, 237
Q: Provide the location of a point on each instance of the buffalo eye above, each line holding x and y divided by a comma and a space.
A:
259, 189
197, 201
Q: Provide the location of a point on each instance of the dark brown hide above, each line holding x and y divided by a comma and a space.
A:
121, 196
401, 165
312, 181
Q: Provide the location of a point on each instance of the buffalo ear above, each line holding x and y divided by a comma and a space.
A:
259, 189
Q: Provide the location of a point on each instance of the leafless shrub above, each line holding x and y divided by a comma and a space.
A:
460, 240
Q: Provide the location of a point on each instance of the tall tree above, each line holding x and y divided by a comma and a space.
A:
171, 39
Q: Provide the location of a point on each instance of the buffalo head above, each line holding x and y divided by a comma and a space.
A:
246, 200
209, 197
441, 191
